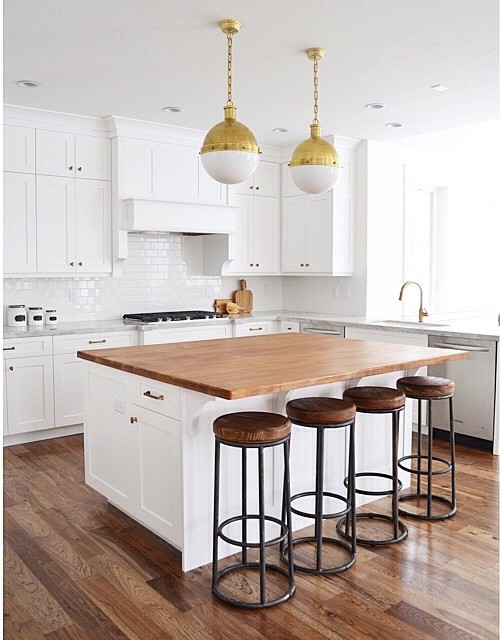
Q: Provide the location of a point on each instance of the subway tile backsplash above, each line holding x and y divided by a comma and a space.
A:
163, 272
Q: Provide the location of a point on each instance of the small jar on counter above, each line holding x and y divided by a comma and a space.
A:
35, 316
16, 315
50, 316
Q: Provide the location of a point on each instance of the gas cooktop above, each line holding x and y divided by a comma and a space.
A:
169, 316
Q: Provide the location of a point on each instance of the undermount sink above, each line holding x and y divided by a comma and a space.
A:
407, 323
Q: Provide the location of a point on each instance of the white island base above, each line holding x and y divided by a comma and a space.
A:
149, 449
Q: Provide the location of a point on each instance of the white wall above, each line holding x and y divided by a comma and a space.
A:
155, 278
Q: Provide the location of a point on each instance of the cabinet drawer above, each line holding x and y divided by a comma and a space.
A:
25, 347
162, 398
187, 334
253, 328
289, 326
88, 341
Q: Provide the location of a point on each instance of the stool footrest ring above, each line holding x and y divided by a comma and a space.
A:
373, 543
328, 570
367, 492
325, 516
252, 545
434, 472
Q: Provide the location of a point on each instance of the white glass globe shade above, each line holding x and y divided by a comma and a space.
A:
314, 178
230, 167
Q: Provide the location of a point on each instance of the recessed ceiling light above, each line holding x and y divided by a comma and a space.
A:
374, 106
439, 87
29, 84
172, 109
394, 125
281, 130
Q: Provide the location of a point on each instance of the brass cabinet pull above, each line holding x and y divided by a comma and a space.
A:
79, 168
72, 264
97, 341
133, 419
302, 264
256, 328
70, 167
307, 264
11, 368
251, 264
9, 348
251, 187
148, 394
257, 188
80, 264
257, 264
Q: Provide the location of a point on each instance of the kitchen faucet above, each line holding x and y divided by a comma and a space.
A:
422, 313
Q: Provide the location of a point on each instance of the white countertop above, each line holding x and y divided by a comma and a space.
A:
465, 328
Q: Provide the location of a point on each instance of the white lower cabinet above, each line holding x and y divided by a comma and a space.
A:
289, 326
28, 371
254, 328
132, 452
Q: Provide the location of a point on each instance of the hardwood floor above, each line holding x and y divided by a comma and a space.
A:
76, 568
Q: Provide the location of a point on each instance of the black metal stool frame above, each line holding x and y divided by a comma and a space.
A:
400, 531
430, 472
285, 526
319, 515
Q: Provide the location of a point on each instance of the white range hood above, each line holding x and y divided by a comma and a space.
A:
180, 217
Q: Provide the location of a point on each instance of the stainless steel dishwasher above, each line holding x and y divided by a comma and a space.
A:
474, 399
324, 328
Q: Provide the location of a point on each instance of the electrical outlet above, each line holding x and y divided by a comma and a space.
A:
119, 405
72, 295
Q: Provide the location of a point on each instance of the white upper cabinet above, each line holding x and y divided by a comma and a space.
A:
19, 149
167, 172
72, 155
19, 223
318, 230
265, 181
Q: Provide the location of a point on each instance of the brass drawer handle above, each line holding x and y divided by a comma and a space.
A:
133, 419
256, 328
96, 341
148, 394
9, 348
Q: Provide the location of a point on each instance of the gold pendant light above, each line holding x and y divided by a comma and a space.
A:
315, 163
230, 153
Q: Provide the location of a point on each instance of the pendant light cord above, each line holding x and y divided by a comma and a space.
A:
230, 69
315, 118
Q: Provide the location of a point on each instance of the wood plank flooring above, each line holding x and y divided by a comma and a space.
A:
76, 568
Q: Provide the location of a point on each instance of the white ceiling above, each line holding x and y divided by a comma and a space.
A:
133, 57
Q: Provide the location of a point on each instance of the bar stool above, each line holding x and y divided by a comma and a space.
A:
429, 388
379, 400
253, 430
321, 414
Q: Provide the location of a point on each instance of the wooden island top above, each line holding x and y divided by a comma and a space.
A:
234, 368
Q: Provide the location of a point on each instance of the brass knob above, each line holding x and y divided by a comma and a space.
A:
257, 264
302, 264
71, 264
257, 188
251, 264
307, 264
11, 368
133, 419
79, 168
251, 187
70, 167
80, 264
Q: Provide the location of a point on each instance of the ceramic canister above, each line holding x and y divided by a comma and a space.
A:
16, 315
35, 316
50, 316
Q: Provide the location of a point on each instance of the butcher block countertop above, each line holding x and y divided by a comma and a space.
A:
234, 368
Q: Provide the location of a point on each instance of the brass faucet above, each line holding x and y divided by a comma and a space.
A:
422, 313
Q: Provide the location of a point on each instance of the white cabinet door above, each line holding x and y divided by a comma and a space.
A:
68, 391
293, 226
19, 149
108, 440
73, 225
264, 182
68, 155
209, 190
19, 223
56, 225
157, 471
93, 226
319, 239
253, 328
264, 236
29, 389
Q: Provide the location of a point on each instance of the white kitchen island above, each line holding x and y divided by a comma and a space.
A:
149, 412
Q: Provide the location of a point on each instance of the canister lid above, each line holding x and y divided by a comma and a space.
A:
16, 306
50, 311
35, 308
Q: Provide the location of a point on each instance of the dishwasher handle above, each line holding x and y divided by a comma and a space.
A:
460, 347
329, 332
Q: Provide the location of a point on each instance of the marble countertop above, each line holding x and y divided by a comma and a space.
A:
484, 329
